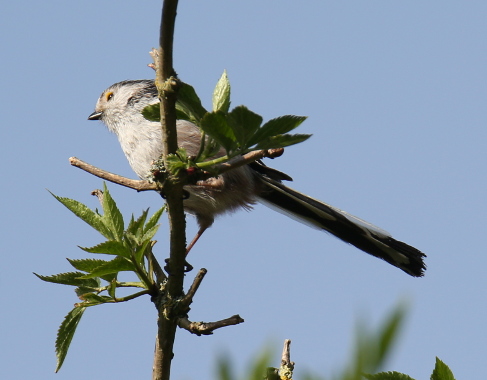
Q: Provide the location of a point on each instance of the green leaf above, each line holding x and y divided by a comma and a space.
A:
221, 94
388, 376
188, 104
281, 141
82, 290
87, 215
215, 124
442, 371
93, 299
154, 219
65, 334
135, 226
89, 265
86, 265
112, 288
278, 126
244, 124
152, 112
110, 247
70, 278
139, 253
112, 216
149, 234
118, 264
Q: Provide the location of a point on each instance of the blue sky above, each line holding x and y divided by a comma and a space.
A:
395, 93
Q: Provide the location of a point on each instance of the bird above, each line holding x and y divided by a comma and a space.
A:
120, 107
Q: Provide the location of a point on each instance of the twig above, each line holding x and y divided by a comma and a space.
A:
207, 328
249, 158
287, 366
138, 185
188, 298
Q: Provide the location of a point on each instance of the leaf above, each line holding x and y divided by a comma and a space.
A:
135, 226
149, 234
112, 216
244, 124
82, 290
112, 288
118, 264
154, 219
388, 376
277, 126
89, 265
442, 371
92, 299
86, 265
65, 334
221, 94
152, 112
189, 104
70, 278
215, 124
110, 247
139, 253
281, 141
87, 215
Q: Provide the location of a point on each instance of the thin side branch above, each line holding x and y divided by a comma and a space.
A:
207, 328
188, 298
287, 366
138, 185
249, 158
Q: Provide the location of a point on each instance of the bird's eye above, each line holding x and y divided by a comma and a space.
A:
109, 95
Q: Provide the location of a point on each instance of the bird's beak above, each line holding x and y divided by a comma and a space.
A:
95, 116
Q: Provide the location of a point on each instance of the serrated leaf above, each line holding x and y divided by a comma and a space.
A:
149, 234
154, 219
65, 334
89, 265
82, 290
244, 124
215, 125
93, 299
281, 141
221, 94
189, 104
278, 126
441, 371
118, 264
86, 265
152, 112
90, 217
388, 376
139, 254
70, 278
112, 216
110, 247
137, 224
175, 163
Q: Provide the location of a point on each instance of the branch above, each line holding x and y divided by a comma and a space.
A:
173, 190
188, 298
138, 185
207, 328
287, 366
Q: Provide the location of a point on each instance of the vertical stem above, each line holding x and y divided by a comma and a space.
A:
173, 191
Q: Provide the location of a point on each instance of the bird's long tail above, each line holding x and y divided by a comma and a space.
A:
346, 227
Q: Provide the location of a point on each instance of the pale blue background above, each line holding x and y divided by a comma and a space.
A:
396, 98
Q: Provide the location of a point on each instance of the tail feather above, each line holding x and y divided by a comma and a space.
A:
346, 227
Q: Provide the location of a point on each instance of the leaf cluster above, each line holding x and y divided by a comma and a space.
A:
96, 280
238, 131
